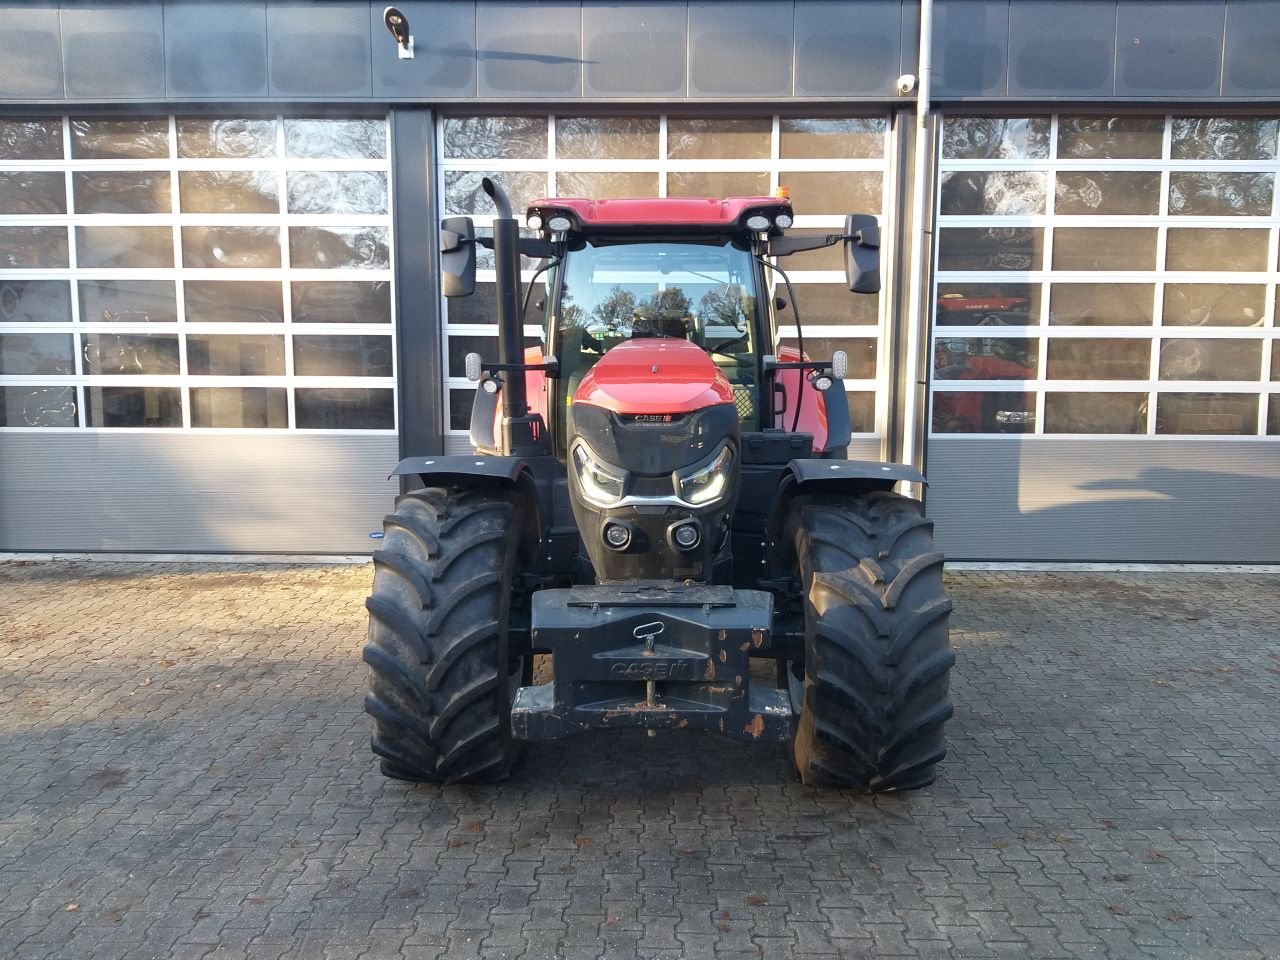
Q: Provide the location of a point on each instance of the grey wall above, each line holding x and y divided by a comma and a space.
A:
508, 51
1169, 500
205, 493
1107, 49
498, 50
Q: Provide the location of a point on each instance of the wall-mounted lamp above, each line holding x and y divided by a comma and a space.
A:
398, 24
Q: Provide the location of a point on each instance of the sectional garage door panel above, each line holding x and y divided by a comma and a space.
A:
300, 493
1157, 500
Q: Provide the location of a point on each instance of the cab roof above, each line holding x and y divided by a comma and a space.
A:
653, 214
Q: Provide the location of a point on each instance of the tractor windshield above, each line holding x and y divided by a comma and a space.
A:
619, 289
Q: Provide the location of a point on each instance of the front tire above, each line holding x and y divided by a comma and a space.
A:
873, 690
441, 674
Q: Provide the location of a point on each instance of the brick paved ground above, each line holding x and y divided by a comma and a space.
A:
184, 773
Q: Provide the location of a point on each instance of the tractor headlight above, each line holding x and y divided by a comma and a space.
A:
704, 484
601, 483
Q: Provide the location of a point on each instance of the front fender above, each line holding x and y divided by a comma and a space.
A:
812, 475
456, 469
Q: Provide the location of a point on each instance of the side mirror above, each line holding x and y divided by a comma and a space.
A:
458, 256
862, 253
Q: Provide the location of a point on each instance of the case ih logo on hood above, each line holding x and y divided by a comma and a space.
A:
652, 418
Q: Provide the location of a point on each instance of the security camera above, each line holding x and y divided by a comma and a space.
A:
906, 84
398, 24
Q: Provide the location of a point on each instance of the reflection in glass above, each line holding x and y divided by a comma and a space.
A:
1214, 304
719, 139
831, 303
988, 304
606, 185
463, 193
825, 258
994, 138
834, 192
495, 138
480, 307
1273, 415
1102, 304
1207, 413
862, 411
133, 406
1202, 359
342, 356
985, 358
861, 351
145, 191
848, 138
38, 407
342, 301
605, 138
986, 193
1110, 138
233, 301
31, 139
1109, 192
130, 354
336, 248
33, 247
36, 354
127, 301
990, 248
26, 192
1104, 248
341, 408
35, 301
1220, 194
1216, 248
226, 137
742, 183
234, 355
117, 139
983, 412
1095, 412
1224, 138
229, 191
460, 403
333, 139
341, 192
124, 247
231, 247
239, 407
1071, 358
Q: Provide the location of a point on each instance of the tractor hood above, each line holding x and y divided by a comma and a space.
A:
653, 376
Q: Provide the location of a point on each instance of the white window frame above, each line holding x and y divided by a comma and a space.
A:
774, 165
1266, 332
173, 165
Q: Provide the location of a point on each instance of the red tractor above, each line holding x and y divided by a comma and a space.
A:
657, 499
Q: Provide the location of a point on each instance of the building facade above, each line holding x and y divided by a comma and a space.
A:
220, 322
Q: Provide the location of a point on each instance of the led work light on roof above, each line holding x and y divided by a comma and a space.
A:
533, 222
784, 221
559, 224
758, 222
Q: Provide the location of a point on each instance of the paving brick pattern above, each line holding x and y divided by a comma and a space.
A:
184, 773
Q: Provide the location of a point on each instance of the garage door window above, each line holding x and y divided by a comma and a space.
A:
195, 274
1107, 275
832, 166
